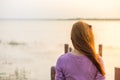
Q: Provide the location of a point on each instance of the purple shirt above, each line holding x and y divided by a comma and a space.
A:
72, 67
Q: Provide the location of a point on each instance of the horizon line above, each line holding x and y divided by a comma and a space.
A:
59, 18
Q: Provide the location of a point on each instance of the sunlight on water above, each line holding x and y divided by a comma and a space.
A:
32, 47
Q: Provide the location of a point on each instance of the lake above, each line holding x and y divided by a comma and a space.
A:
28, 48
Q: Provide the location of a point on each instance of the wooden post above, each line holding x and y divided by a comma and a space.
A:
117, 73
100, 50
66, 48
52, 73
70, 49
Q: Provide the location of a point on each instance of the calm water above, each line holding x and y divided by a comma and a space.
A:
33, 46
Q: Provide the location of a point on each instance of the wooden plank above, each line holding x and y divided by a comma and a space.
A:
100, 50
66, 48
117, 73
70, 49
53, 73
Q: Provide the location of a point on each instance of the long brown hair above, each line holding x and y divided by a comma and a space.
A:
83, 41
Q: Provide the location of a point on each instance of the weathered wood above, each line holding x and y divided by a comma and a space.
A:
70, 49
66, 48
53, 73
117, 73
100, 50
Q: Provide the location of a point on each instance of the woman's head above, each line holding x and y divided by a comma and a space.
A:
83, 40
82, 36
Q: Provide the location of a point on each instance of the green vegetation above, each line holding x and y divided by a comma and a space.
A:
16, 75
15, 43
2, 73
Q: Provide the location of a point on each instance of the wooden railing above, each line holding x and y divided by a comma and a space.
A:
117, 73
68, 49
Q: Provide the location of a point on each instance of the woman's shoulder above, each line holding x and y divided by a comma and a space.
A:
70, 56
64, 56
62, 59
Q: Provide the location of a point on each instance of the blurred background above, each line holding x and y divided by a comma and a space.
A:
33, 34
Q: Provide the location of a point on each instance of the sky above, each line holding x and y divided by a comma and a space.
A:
10, 9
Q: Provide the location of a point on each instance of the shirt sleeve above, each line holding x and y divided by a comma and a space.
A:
99, 76
59, 70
